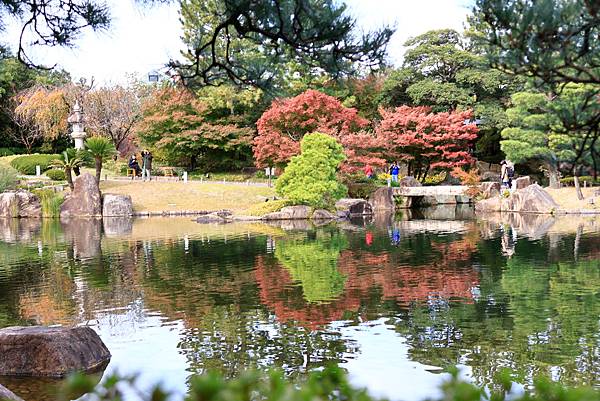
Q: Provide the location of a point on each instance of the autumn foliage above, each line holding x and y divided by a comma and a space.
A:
427, 140
177, 126
283, 125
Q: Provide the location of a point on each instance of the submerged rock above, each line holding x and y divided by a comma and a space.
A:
85, 200
20, 203
50, 351
7, 395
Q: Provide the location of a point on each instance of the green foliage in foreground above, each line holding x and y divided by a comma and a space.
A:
26, 164
328, 384
8, 178
311, 178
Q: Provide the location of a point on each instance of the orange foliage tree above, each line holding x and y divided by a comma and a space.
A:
39, 113
427, 140
283, 125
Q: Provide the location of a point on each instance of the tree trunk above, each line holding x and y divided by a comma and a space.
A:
69, 178
98, 169
553, 175
577, 187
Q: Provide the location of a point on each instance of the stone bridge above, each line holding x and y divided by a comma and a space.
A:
434, 195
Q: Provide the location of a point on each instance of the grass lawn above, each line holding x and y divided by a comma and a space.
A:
166, 196
566, 197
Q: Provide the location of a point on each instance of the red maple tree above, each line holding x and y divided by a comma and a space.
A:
427, 140
283, 125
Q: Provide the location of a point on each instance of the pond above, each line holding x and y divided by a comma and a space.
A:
393, 300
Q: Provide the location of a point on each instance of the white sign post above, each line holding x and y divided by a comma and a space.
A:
38, 171
185, 178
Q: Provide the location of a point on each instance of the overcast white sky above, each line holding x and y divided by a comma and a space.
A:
142, 39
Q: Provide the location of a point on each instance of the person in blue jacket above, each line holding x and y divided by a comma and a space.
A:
394, 171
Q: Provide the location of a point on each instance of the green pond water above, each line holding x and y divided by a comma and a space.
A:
393, 300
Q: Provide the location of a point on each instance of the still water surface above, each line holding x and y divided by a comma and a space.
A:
394, 300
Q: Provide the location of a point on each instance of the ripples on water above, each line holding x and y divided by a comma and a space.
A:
392, 301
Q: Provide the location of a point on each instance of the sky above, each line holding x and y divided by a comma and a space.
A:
143, 39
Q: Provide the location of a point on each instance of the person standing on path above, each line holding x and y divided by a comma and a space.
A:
506, 174
394, 171
146, 165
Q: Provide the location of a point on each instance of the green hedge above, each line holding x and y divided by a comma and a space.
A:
11, 151
56, 175
26, 164
584, 178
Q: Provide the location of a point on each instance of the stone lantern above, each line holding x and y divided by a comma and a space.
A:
76, 119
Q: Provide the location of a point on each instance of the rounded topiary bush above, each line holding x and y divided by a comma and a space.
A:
311, 178
56, 175
26, 164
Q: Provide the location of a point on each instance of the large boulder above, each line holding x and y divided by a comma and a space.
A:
322, 214
7, 395
489, 189
50, 351
409, 181
532, 199
522, 182
20, 203
114, 205
383, 199
299, 212
354, 207
85, 200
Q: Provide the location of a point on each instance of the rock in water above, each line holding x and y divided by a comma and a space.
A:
85, 200
354, 207
20, 203
322, 214
532, 199
50, 351
114, 205
299, 212
7, 395
383, 199
489, 189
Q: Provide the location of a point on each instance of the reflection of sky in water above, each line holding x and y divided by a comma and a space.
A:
143, 342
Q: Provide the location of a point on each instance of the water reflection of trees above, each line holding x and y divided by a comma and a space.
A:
533, 316
454, 297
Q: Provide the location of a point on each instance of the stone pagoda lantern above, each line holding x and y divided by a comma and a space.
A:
76, 119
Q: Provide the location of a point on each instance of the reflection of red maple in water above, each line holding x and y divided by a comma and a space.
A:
449, 276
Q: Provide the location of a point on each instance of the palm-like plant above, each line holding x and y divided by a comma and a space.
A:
100, 148
69, 160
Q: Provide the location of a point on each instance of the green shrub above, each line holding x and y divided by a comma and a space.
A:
330, 384
570, 181
6, 152
8, 178
56, 175
26, 164
311, 178
11, 151
261, 209
50, 201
